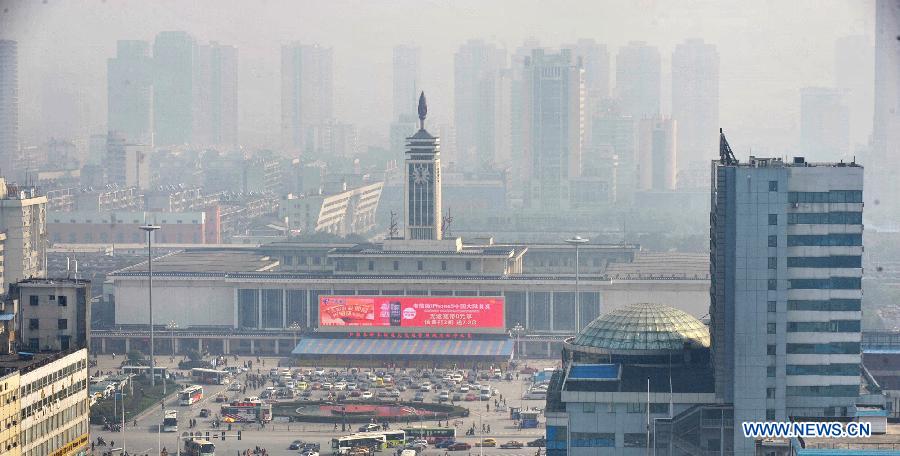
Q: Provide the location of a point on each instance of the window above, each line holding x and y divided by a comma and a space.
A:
828, 240
288, 260
833, 348
823, 369
62, 301
302, 259
371, 265
317, 260
396, 265
33, 300
773, 219
635, 440
773, 241
773, 284
33, 323
770, 393
827, 305
770, 371
773, 262
824, 390
771, 328
468, 265
770, 349
773, 186
834, 196
771, 307
833, 283
419, 265
824, 326
636, 407
62, 323
825, 218
589, 407
443, 265
51, 297
33, 342
659, 407
591, 439
770, 414
835, 261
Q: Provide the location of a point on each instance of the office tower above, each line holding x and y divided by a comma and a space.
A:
23, 217
407, 77
886, 127
476, 70
638, 80
127, 164
307, 84
853, 69
785, 268
595, 60
553, 123
824, 124
609, 128
657, 154
695, 102
9, 107
422, 183
54, 314
129, 96
217, 83
175, 94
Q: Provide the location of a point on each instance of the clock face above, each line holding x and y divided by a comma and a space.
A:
421, 174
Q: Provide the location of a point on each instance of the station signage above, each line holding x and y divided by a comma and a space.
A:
425, 312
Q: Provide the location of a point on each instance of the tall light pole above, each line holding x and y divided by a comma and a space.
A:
150, 229
294, 327
517, 330
577, 241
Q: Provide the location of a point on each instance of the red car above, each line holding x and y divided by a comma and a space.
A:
470, 397
459, 446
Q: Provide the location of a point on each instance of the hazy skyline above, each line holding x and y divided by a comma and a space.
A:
769, 51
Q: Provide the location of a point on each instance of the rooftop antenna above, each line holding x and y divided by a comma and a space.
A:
445, 224
392, 230
726, 156
423, 110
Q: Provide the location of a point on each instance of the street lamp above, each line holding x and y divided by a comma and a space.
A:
294, 326
577, 241
172, 326
517, 330
150, 229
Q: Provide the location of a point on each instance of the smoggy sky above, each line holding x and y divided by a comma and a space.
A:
769, 49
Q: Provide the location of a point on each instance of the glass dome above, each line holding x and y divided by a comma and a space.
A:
644, 326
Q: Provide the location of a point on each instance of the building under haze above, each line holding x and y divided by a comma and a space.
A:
9, 107
307, 93
695, 102
217, 83
175, 91
53, 314
786, 271
477, 90
23, 217
824, 124
553, 128
886, 128
129, 92
657, 154
854, 66
638, 80
127, 164
407, 77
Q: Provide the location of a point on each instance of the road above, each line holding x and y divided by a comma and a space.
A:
275, 437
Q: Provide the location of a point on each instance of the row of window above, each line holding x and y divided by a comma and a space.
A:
60, 394
834, 261
824, 326
833, 196
61, 301
832, 348
61, 323
826, 305
824, 218
823, 369
78, 429
824, 390
52, 423
831, 283
593, 439
826, 240
36, 385
120, 237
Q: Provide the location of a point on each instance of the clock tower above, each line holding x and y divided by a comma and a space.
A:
422, 183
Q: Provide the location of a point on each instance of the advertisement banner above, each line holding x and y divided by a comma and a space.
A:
432, 312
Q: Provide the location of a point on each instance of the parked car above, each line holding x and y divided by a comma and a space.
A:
295, 445
539, 442
470, 397
459, 446
204, 413
487, 442
369, 427
445, 443
512, 444
420, 397
365, 394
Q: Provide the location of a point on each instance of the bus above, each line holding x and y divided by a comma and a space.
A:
199, 447
210, 376
375, 441
190, 395
144, 371
170, 421
392, 438
431, 434
247, 412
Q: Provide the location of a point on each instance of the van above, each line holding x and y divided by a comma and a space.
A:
408, 453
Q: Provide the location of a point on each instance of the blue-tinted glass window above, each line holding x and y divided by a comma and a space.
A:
833, 348
836, 261
826, 305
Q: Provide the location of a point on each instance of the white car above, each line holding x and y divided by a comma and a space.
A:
327, 386
425, 387
456, 378
352, 386
340, 386
235, 386
320, 371
464, 389
366, 395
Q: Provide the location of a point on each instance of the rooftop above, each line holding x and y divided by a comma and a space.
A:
642, 327
662, 265
796, 162
26, 362
208, 261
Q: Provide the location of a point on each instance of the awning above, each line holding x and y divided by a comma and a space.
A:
406, 347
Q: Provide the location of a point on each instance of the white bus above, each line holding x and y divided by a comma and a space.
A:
170, 421
190, 395
199, 447
343, 445
210, 376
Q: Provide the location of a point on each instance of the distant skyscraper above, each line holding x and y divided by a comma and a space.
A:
695, 102
657, 149
824, 124
407, 77
129, 95
886, 128
477, 67
175, 91
611, 129
785, 271
217, 83
854, 63
638, 80
307, 98
127, 165
9, 107
553, 124
595, 59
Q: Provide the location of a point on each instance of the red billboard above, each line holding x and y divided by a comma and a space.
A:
393, 312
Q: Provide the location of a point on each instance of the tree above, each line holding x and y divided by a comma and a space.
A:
194, 355
136, 358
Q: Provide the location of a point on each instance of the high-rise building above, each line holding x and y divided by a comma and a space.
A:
553, 122
786, 270
175, 91
127, 164
129, 95
307, 98
695, 102
638, 80
657, 154
23, 216
422, 183
824, 124
9, 107
853, 74
54, 314
611, 129
217, 83
886, 127
477, 66
595, 60
407, 77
